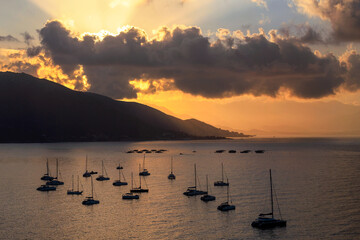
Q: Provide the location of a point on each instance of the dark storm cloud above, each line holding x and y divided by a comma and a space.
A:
344, 16
227, 67
8, 38
33, 51
352, 60
303, 33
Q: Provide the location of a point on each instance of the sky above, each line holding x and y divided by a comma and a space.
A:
264, 67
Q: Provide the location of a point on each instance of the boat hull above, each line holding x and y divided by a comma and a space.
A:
144, 173
47, 178
117, 183
46, 189
90, 202
54, 183
208, 198
130, 197
139, 190
171, 176
268, 223
221, 183
102, 178
226, 207
194, 193
74, 192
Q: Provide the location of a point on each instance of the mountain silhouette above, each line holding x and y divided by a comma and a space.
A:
38, 110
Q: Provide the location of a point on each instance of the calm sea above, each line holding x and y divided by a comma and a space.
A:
317, 182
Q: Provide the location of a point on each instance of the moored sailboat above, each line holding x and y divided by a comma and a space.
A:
171, 175
103, 177
130, 195
226, 206
267, 220
222, 183
46, 188
144, 171
193, 191
47, 176
72, 191
86, 173
90, 200
56, 180
207, 197
119, 182
139, 189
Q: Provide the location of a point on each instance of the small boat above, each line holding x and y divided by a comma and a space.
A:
192, 191
219, 151
55, 181
130, 196
119, 167
90, 200
207, 197
47, 176
119, 182
144, 172
86, 174
245, 151
103, 177
171, 175
225, 206
259, 151
232, 151
46, 188
222, 183
93, 172
267, 220
130, 151
72, 191
138, 189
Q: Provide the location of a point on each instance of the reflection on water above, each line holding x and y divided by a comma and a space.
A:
317, 183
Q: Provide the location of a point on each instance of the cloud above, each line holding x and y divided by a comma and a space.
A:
260, 3
27, 38
8, 38
234, 64
344, 16
352, 61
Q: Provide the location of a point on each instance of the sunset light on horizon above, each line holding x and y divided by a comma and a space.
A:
268, 68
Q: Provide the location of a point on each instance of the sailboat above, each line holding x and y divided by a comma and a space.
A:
192, 191
139, 189
225, 206
119, 182
144, 172
72, 191
103, 177
55, 181
90, 200
86, 174
47, 176
46, 188
267, 220
171, 175
130, 195
207, 197
222, 183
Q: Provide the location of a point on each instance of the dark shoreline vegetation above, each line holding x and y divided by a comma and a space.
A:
36, 110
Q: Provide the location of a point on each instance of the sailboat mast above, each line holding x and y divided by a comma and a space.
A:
78, 189
144, 162
227, 193
207, 184
140, 181
86, 164
171, 164
102, 167
119, 174
57, 168
222, 172
132, 180
72, 183
195, 174
47, 167
271, 193
92, 188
